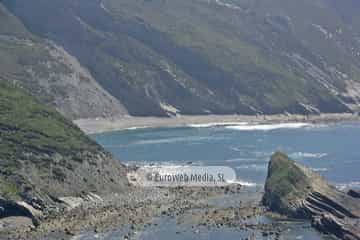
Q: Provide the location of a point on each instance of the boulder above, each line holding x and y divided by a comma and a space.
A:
12, 208
298, 192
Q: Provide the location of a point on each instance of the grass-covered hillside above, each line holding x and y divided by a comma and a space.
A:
28, 127
44, 156
198, 57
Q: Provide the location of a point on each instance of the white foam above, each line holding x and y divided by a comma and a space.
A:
174, 140
256, 167
320, 169
243, 183
307, 155
268, 127
235, 149
240, 160
216, 124
242, 148
136, 128
344, 186
166, 164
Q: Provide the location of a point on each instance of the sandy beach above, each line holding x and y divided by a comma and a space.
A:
99, 125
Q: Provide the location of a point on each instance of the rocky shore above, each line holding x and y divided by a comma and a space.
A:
57, 183
137, 210
291, 192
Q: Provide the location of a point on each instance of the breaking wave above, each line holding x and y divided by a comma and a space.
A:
244, 183
136, 128
232, 160
307, 155
174, 140
216, 124
268, 127
256, 167
344, 186
320, 169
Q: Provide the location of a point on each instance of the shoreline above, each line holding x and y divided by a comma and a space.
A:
137, 210
102, 125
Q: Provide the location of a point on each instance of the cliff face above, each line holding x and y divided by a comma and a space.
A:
44, 158
198, 57
50, 73
298, 192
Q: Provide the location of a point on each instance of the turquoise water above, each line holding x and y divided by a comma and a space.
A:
332, 150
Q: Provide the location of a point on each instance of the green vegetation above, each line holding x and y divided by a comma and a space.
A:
8, 190
285, 177
41, 152
26, 127
43, 155
31, 133
208, 57
286, 185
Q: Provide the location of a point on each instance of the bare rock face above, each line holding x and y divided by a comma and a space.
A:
298, 192
73, 90
51, 74
62, 82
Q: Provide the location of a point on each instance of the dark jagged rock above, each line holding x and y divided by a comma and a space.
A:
298, 192
11, 208
341, 228
354, 193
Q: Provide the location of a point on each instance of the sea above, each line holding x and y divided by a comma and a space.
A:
332, 150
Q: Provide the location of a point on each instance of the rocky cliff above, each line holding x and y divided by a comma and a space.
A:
164, 57
50, 73
298, 192
46, 162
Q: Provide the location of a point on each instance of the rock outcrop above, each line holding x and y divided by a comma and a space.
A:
297, 192
354, 193
45, 159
